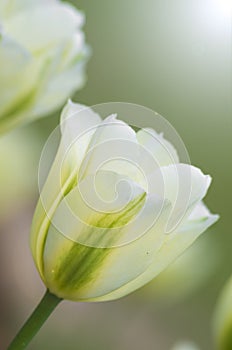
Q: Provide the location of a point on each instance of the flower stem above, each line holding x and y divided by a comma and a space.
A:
35, 321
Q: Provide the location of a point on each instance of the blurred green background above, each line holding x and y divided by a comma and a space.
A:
174, 57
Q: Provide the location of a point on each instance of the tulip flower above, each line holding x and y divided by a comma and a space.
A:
116, 209
100, 229
42, 57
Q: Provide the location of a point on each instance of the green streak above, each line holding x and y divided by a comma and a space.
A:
35, 321
82, 262
47, 215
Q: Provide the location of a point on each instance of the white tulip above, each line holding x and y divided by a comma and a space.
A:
116, 209
42, 58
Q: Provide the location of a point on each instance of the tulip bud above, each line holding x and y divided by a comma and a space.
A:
117, 208
42, 56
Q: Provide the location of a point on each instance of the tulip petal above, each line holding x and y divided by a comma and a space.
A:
65, 73
163, 151
9, 8
92, 272
54, 53
16, 65
90, 260
101, 204
76, 120
113, 147
183, 185
78, 125
174, 245
59, 21
126, 263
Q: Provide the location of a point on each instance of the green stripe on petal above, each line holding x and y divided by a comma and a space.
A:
173, 246
69, 265
79, 264
63, 174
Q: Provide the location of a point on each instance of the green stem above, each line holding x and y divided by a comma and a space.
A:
35, 321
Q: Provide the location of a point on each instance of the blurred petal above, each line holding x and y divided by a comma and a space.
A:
9, 8
16, 65
49, 23
65, 73
44, 51
185, 346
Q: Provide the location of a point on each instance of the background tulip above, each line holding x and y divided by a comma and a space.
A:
42, 58
223, 318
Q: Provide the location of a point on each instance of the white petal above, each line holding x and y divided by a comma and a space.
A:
98, 201
55, 53
183, 185
113, 147
199, 220
50, 24
77, 118
103, 275
174, 245
17, 65
63, 76
9, 8
69, 219
200, 211
76, 124
162, 150
133, 259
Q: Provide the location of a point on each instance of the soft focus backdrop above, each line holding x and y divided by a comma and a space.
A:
174, 57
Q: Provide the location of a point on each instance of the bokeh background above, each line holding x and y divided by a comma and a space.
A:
174, 57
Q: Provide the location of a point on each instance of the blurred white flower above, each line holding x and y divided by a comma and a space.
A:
185, 346
42, 58
104, 227
19, 156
